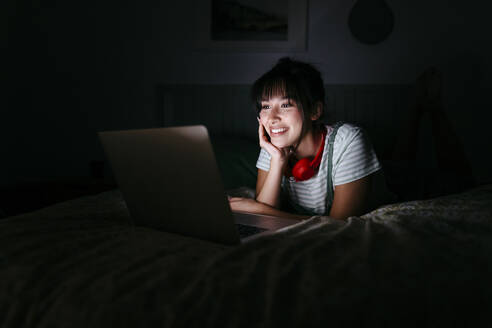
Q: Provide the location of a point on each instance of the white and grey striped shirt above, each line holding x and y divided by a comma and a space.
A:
353, 159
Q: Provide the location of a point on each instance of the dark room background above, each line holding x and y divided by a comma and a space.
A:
72, 68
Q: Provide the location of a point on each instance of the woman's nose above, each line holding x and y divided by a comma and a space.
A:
272, 119
273, 114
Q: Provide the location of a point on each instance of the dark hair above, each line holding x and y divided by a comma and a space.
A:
296, 80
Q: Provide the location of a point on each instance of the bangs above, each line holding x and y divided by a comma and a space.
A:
266, 89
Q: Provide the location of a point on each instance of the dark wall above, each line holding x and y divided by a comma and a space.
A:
73, 68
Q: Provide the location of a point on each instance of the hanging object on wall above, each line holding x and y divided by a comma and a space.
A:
371, 21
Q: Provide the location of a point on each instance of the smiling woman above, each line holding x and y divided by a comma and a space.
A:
282, 133
306, 168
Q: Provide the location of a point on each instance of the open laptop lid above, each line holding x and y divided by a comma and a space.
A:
170, 181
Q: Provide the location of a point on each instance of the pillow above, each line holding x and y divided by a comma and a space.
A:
236, 159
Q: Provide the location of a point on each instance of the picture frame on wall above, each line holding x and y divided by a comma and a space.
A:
251, 25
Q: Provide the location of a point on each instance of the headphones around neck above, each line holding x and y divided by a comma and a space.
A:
306, 167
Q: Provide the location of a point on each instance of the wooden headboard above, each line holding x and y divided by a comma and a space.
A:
226, 110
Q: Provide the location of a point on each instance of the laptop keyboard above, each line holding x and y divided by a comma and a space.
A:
246, 230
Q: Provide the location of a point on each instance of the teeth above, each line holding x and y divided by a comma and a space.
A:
278, 130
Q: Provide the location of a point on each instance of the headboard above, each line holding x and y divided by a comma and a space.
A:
226, 110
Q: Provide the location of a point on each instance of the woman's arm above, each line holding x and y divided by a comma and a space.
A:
268, 186
268, 182
248, 205
350, 199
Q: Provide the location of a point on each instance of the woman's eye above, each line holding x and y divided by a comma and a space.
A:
265, 107
286, 105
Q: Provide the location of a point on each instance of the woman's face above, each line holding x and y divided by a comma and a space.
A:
282, 120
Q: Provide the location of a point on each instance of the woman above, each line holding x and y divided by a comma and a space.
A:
305, 168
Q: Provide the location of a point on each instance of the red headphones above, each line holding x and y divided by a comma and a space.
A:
306, 167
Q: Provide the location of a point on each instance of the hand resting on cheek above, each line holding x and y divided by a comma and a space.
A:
280, 156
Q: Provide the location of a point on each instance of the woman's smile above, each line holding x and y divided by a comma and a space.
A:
275, 132
282, 120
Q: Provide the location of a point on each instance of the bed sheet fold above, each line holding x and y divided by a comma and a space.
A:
83, 264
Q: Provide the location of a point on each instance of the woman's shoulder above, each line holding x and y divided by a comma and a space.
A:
346, 132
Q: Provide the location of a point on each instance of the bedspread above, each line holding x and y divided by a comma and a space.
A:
83, 264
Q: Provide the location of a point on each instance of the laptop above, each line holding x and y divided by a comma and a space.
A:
170, 181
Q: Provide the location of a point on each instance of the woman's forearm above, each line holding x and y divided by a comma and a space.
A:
270, 192
268, 210
261, 208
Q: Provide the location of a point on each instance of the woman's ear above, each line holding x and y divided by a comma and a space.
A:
317, 112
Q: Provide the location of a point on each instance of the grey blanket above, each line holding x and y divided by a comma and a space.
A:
83, 264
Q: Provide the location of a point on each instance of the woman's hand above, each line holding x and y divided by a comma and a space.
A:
240, 204
279, 156
248, 205
268, 182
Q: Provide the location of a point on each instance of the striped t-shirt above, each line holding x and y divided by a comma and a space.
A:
353, 159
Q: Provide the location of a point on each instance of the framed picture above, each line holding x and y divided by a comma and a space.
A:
251, 25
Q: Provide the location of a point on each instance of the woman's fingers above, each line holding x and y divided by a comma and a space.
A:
280, 154
271, 149
261, 132
264, 142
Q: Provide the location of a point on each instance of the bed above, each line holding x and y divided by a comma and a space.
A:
82, 263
